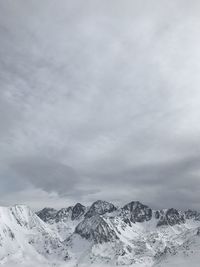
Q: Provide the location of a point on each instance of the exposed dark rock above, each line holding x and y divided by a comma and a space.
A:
192, 214
96, 229
63, 214
157, 214
46, 214
137, 211
74, 213
127, 221
77, 211
100, 207
198, 231
171, 217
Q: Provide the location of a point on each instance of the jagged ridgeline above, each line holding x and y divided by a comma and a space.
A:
102, 233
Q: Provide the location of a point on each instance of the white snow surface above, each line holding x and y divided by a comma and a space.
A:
25, 238
27, 241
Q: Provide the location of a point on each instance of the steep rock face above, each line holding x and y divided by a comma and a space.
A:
77, 211
46, 214
63, 214
137, 212
96, 229
66, 219
192, 214
100, 207
170, 217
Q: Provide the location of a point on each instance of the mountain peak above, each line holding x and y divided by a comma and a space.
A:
100, 207
170, 217
124, 237
63, 214
137, 212
77, 211
46, 214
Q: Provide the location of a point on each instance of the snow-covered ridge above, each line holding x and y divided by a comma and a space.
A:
21, 215
129, 235
24, 235
134, 235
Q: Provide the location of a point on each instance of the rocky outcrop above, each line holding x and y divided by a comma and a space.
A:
170, 217
96, 229
63, 214
192, 214
137, 212
77, 211
46, 214
100, 207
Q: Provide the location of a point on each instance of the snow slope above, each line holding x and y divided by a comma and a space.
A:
100, 235
23, 237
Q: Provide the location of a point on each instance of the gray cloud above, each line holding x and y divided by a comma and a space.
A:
46, 174
99, 100
156, 184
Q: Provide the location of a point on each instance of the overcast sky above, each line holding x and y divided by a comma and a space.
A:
100, 100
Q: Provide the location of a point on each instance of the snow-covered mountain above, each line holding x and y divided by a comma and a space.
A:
102, 234
24, 236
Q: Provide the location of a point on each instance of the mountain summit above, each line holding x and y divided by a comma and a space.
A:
133, 235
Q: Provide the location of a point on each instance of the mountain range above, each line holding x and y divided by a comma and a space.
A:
99, 235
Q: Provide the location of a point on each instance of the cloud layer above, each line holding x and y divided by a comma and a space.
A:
99, 100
